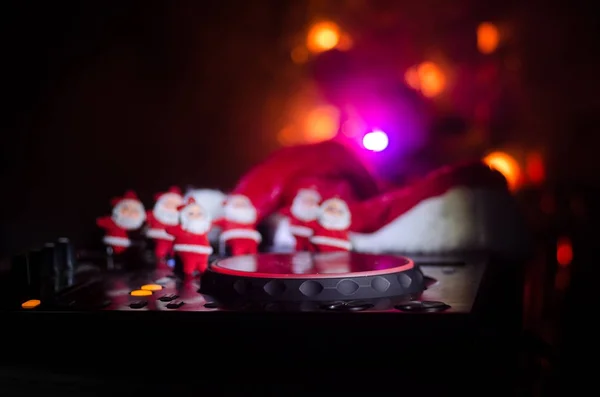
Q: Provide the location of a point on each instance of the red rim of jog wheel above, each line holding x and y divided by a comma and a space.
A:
304, 265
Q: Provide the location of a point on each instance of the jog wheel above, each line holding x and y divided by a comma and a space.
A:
302, 277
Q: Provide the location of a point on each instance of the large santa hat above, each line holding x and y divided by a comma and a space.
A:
447, 202
336, 172
129, 195
172, 190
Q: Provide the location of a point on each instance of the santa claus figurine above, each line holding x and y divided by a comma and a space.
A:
163, 215
191, 237
128, 214
238, 226
302, 214
332, 226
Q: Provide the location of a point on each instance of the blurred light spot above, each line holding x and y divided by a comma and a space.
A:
376, 141
345, 43
431, 79
564, 251
535, 168
322, 124
488, 37
507, 166
412, 78
323, 36
299, 55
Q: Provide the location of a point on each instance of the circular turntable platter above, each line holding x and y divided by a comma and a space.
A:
303, 276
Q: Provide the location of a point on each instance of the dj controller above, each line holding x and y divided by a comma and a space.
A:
335, 317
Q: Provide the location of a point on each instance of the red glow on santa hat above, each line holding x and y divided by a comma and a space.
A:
189, 201
129, 195
172, 190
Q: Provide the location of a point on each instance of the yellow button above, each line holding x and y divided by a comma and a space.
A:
31, 304
152, 287
140, 292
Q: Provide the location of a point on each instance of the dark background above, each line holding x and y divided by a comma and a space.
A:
105, 96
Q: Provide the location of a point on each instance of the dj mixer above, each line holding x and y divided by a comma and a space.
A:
270, 313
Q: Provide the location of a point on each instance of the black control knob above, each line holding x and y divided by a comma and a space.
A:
65, 262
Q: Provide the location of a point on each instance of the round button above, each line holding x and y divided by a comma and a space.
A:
152, 287
140, 292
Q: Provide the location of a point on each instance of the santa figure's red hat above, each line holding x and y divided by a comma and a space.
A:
172, 189
129, 195
465, 207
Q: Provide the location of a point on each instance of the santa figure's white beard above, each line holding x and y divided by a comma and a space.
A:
331, 222
128, 223
240, 215
195, 226
304, 212
166, 216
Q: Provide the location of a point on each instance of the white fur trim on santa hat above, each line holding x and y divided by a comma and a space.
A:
193, 248
462, 219
211, 200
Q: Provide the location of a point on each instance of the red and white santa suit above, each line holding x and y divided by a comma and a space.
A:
128, 214
302, 214
332, 226
163, 215
238, 226
191, 243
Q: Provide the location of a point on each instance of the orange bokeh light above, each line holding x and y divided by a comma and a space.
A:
488, 37
323, 36
564, 251
427, 78
535, 169
507, 166
322, 124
